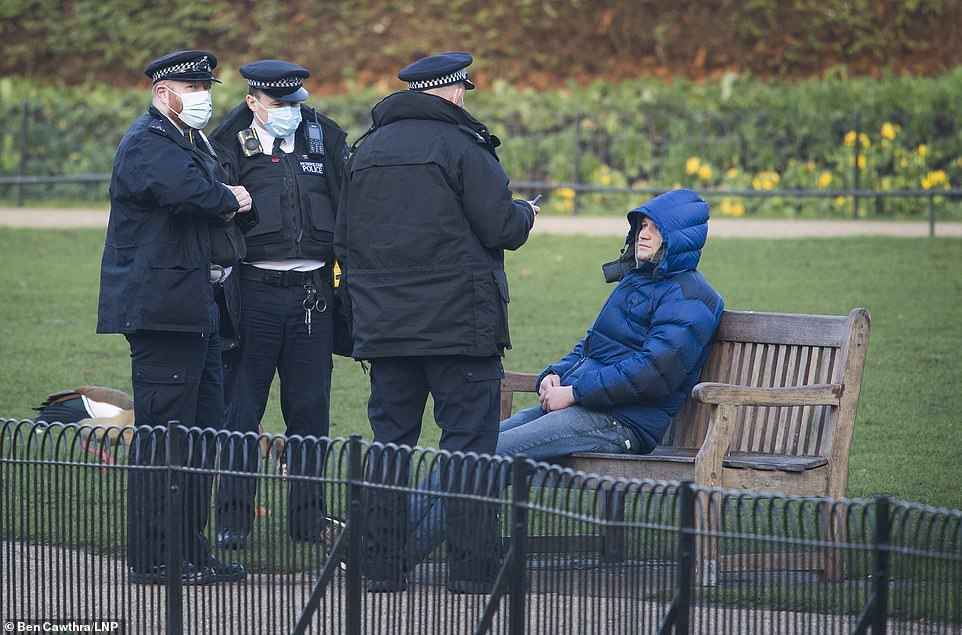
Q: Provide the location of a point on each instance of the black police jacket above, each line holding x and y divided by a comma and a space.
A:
295, 196
424, 218
155, 272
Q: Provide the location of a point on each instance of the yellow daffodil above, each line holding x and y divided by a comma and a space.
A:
849, 139
890, 130
935, 179
824, 179
692, 165
704, 172
732, 207
766, 180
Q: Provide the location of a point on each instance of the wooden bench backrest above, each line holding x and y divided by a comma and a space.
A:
780, 350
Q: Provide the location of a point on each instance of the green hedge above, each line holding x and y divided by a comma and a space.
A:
735, 133
536, 41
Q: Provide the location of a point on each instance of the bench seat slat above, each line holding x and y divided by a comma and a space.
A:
665, 454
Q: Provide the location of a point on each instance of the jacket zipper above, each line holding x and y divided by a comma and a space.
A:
296, 212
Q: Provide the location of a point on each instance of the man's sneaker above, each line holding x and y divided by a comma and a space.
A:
190, 575
226, 571
231, 539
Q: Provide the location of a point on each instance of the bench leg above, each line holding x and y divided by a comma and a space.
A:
707, 520
835, 534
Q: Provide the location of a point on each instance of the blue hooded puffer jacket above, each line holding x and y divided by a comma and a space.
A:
646, 349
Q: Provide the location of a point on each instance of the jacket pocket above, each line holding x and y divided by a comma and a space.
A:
502, 337
320, 211
157, 398
481, 369
172, 296
267, 202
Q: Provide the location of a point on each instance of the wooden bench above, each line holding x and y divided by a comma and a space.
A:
774, 412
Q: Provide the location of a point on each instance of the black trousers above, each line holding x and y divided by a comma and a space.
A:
467, 393
176, 377
275, 338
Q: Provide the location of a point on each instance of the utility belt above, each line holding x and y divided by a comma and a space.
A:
284, 278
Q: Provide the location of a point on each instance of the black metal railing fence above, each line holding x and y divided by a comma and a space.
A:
577, 553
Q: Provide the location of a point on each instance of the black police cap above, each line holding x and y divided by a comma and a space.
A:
184, 66
438, 70
281, 80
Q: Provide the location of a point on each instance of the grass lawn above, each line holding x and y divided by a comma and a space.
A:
907, 439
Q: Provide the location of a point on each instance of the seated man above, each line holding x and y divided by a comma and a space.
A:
620, 386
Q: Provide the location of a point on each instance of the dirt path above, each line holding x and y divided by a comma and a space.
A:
573, 225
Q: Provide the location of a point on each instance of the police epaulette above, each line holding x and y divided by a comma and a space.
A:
473, 134
157, 126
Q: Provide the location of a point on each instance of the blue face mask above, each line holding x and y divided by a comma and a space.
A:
282, 121
196, 108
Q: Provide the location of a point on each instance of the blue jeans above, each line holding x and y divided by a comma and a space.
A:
536, 434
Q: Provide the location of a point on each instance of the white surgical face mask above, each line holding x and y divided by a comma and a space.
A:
282, 121
197, 108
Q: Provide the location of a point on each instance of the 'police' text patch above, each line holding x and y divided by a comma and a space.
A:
312, 167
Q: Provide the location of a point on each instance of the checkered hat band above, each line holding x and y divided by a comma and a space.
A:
195, 65
444, 80
287, 82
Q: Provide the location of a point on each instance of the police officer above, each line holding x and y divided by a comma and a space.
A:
424, 219
291, 159
156, 288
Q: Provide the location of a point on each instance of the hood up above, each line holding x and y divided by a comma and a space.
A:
682, 218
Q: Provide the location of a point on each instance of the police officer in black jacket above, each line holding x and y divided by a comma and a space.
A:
424, 219
157, 285
291, 159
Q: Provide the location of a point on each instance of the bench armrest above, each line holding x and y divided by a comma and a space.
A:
732, 395
725, 399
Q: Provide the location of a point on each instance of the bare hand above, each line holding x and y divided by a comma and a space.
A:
534, 204
243, 197
550, 380
557, 398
